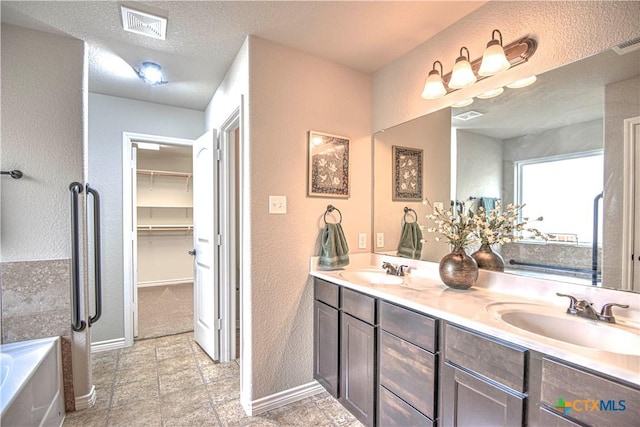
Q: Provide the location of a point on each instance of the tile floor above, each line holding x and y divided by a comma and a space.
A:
170, 381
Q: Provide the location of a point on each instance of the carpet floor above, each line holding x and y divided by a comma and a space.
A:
165, 310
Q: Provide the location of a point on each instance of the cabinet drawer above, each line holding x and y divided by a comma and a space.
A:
594, 400
408, 325
408, 371
495, 360
395, 412
359, 305
326, 292
552, 419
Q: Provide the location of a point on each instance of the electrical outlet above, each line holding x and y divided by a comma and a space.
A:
278, 205
380, 240
362, 240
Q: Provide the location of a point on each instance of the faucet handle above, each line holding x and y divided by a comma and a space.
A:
606, 314
401, 269
573, 303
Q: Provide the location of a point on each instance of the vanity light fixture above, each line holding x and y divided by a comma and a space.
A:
151, 73
462, 103
491, 93
466, 72
494, 60
462, 74
434, 87
522, 82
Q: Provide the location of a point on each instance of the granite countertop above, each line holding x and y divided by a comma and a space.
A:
424, 292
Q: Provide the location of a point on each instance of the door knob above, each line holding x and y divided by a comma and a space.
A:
192, 252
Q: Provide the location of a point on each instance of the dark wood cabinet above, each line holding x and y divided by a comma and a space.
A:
326, 346
591, 398
357, 371
482, 380
407, 367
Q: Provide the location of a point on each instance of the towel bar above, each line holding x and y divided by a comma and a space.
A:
407, 211
331, 208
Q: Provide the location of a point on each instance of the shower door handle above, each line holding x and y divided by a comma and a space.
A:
97, 253
192, 252
77, 324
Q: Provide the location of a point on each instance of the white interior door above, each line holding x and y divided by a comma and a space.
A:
635, 266
134, 237
205, 235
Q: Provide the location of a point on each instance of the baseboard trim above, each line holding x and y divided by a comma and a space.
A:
86, 401
283, 398
114, 344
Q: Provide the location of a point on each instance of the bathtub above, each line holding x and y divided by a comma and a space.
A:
31, 383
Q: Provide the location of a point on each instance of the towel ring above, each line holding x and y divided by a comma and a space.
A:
331, 208
408, 211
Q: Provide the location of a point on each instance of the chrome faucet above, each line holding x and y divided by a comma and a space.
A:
583, 308
394, 270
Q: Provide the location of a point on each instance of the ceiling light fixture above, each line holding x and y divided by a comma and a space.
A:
462, 74
151, 73
465, 72
148, 146
494, 60
434, 87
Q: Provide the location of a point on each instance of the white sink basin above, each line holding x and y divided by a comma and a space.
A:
551, 322
372, 277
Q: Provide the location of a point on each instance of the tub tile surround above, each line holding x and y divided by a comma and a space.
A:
35, 299
468, 308
35, 303
170, 381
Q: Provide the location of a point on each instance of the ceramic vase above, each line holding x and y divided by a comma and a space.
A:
458, 270
487, 259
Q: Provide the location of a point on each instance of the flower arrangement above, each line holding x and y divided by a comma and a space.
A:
458, 230
496, 226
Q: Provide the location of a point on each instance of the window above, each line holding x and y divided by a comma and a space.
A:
562, 189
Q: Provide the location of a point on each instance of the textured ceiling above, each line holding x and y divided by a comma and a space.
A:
203, 37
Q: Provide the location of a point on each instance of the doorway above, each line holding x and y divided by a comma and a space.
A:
164, 217
226, 217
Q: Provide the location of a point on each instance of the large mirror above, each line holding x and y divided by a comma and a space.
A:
556, 146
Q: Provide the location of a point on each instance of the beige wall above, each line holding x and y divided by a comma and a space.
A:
565, 30
432, 134
43, 101
291, 93
622, 101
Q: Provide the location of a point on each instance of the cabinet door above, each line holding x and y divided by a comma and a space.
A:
325, 346
471, 401
357, 367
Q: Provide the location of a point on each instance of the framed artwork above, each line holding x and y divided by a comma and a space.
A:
328, 165
407, 173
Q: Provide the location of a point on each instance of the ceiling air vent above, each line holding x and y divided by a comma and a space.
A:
627, 47
468, 115
144, 23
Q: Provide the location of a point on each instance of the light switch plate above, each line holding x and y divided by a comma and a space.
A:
362, 240
278, 205
380, 240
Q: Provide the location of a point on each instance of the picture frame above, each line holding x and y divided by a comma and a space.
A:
328, 165
407, 173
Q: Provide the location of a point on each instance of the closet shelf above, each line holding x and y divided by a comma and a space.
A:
164, 173
166, 206
165, 227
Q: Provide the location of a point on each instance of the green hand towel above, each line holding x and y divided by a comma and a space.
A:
410, 245
334, 251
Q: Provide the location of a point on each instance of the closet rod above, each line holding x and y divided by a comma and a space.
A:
165, 228
164, 173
